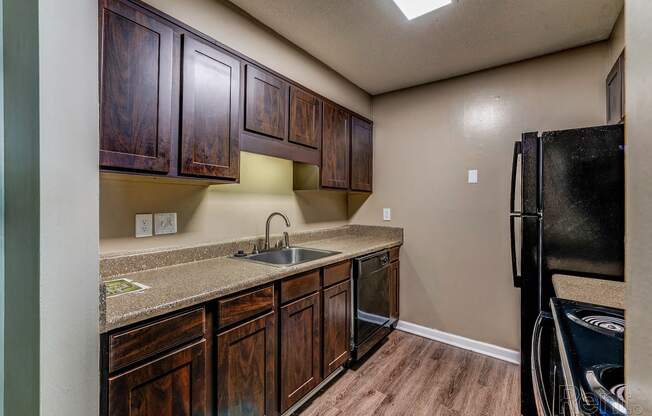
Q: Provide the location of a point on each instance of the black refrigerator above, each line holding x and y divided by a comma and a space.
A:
568, 219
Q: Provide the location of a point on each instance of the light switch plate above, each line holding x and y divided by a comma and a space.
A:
473, 176
387, 214
143, 225
165, 223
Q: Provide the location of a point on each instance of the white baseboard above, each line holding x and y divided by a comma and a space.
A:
480, 347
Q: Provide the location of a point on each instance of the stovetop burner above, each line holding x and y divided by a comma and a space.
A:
607, 388
591, 344
604, 323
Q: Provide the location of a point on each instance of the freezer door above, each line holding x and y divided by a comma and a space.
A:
583, 202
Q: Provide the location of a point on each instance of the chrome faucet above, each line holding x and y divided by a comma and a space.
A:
269, 219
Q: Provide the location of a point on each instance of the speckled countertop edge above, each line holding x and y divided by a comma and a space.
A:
183, 285
595, 291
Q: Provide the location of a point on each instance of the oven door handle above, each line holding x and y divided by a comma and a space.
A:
540, 395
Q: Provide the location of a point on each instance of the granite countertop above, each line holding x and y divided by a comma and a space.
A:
173, 287
595, 291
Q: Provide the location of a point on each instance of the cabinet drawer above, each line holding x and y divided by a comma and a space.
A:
337, 273
241, 307
303, 284
135, 344
394, 253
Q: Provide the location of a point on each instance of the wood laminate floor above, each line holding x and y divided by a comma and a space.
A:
410, 375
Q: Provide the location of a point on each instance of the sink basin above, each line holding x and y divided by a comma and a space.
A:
289, 256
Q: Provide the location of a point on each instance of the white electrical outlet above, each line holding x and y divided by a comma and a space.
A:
165, 223
387, 214
143, 225
473, 176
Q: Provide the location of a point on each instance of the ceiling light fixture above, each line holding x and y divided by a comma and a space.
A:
415, 8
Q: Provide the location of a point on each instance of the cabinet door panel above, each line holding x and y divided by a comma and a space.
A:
210, 144
394, 285
361, 155
266, 104
337, 319
136, 89
246, 368
173, 385
300, 349
335, 148
305, 118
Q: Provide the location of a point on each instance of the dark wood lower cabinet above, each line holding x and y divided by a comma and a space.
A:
337, 326
246, 368
300, 349
254, 353
173, 385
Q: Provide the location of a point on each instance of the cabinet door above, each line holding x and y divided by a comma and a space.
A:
337, 324
210, 144
173, 385
335, 148
361, 155
394, 285
616, 92
300, 349
305, 118
136, 89
266, 103
246, 368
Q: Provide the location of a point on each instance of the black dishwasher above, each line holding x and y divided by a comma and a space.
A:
371, 302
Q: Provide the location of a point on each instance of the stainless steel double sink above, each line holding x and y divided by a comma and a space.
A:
288, 256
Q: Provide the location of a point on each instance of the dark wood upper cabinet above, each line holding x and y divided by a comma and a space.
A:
361, 155
173, 385
616, 91
246, 364
210, 143
266, 103
305, 118
337, 331
136, 79
335, 148
300, 349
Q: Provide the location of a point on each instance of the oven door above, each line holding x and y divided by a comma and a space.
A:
371, 297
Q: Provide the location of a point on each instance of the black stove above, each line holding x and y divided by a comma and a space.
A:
591, 346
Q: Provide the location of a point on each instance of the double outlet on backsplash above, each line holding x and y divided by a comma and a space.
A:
147, 225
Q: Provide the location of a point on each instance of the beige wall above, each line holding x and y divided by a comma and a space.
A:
455, 265
231, 211
219, 212
638, 274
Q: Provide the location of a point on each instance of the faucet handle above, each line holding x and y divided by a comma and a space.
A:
286, 239
255, 250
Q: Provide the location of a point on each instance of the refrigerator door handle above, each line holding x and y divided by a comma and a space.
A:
518, 150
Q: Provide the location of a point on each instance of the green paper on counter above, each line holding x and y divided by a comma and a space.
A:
121, 286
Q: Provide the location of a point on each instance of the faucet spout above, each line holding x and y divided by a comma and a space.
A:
269, 220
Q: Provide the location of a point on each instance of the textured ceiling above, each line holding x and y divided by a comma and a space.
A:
371, 43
